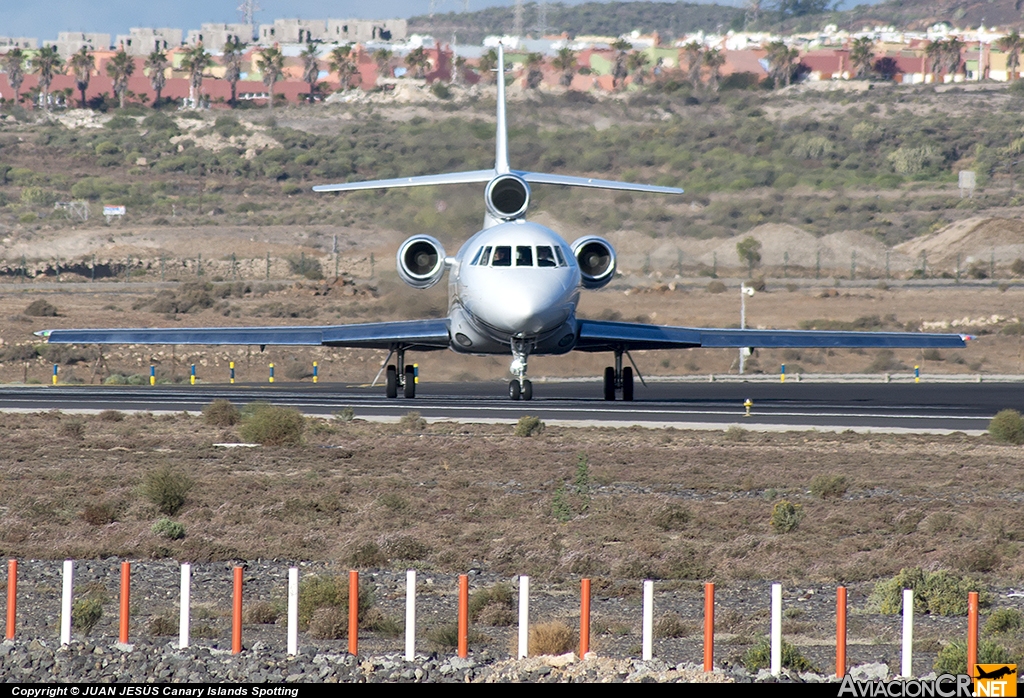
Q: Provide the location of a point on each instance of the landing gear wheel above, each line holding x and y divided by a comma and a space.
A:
410, 381
527, 390
514, 390
609, 383
627, 384
392, 382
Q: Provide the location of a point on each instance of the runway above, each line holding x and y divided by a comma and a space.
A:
879, 407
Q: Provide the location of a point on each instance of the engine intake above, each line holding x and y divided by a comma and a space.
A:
421, 261
596, 259
507, 197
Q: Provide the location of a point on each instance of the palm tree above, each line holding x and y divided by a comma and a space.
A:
310, 68
458, 66
14, 66
1011, 45
341, 63
619, 72
46, 62
156, 64
637, 63
714, 60
271, 64
694, 58
533, 73
487, 65
81, 65
233, 50
781, 58
382, 57
936, 52
954, 49
119, 69
565, 63
418, 62
194, 62
862, 56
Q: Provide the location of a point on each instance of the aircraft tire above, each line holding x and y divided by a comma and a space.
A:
627, 384
391, 389
527, 390
609, 383
514, 391
410, 381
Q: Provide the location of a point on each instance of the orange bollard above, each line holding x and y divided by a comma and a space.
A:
353, 612
840, 632
126, 581
972, 632
709, 626
236, 614
463, 616
584, 617
12, 596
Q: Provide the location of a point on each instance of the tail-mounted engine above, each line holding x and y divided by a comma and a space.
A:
596, 259
421, 261
507, 197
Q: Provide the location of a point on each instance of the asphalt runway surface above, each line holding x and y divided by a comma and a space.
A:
876, 407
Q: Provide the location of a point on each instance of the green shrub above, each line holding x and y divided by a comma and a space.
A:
345, 414
308, 267
952, 658
368, 555
760, 657
829, 486
273, 426
1007, 427
167, 488
221, 413
785, 516
1005, 620
529, 426
483, 603
171, 530
941, 593
329, 591
40, 308
86, 613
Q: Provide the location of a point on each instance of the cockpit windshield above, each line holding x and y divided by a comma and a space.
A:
545, 256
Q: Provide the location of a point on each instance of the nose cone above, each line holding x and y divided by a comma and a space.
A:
529, 306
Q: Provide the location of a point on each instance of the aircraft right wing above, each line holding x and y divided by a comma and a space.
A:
424, 335
599, 335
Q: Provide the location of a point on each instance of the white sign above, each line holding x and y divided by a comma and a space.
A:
114, 210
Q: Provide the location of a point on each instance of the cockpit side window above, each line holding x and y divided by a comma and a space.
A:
524, 256
561, 259
476, 257
502, 256
545, 257
485, 257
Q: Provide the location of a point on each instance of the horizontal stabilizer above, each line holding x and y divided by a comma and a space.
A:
474, 177
541, 178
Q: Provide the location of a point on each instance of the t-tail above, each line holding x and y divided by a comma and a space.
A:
507, 195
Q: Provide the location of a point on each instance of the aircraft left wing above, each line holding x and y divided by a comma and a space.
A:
406, 334
599, 335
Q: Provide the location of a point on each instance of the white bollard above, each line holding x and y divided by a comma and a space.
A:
186, 585
410, 615
293, 611
648, 630
524, 617
776, 629
65, 602
907, 665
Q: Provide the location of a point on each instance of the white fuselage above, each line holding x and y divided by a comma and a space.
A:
514, 282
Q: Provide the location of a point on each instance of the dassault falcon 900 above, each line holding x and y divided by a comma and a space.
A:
513, 289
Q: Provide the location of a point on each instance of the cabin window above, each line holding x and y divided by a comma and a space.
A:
545, 257
502, 256
524, 256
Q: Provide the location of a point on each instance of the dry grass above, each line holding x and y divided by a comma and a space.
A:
554, 637
457, 496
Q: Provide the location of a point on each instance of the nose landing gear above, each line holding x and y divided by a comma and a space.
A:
519, 387
618, 378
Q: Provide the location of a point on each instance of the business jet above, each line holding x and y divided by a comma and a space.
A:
513, 290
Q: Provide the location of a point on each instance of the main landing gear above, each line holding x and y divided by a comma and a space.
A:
618, 378
400, 376
519, 387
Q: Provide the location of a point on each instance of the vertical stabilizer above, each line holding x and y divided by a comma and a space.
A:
501, 165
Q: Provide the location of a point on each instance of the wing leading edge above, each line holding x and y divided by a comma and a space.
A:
418, 334
597, 335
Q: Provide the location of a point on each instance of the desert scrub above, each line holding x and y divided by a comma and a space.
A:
1007, 427
952, 658
760, 656
492, 606
329, 591
273, 426
221, 413
573, 499
1005, 620
673, 517
412, 421
941, 593
529, 426
554, 637
829, 486
86, 613
785, 516
167, 488
172, 530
